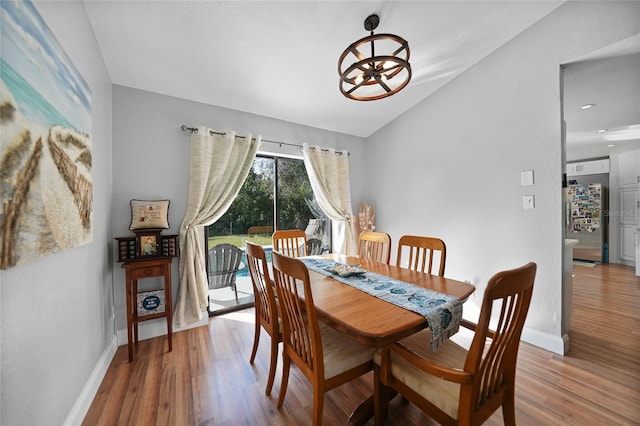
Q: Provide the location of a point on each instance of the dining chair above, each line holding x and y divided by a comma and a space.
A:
326, 357
421, 253
265, 306
456, 386
224, 263
374, 246
290, 242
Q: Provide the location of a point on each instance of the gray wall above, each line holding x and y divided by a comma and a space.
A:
151, 159
458, 156
57, 317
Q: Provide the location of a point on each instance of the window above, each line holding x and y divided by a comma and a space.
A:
276, 195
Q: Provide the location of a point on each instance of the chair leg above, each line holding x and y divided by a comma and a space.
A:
235, 288
256, 338
272, 364
286, 362
318, 404
508, 408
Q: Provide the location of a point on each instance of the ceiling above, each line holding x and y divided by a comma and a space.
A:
609, 79
279, 58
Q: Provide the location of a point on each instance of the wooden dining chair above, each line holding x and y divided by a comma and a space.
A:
374, 246
290, 242
326, 357
266, 307
456, 386
421, 253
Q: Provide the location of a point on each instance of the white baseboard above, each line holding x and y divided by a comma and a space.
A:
80, 408
556, 344
146, 330
158, 327
628, 263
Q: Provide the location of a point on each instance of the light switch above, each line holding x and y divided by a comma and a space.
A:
528, 202
526, 177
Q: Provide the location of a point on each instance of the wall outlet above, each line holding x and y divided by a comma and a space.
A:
528, 202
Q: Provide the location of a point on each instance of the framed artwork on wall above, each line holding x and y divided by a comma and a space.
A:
45, 143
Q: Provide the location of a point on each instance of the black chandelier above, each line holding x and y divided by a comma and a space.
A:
385, 72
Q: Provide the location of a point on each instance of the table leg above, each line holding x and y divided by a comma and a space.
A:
362, 413
366, 410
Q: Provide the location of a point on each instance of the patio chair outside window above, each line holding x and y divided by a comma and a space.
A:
224, 262
314, 246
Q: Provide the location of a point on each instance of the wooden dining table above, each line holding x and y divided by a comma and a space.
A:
370, 320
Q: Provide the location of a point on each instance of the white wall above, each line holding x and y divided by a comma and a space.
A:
151, 159
453, 162
57, 321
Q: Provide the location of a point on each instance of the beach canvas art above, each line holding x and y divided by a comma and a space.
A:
45, 152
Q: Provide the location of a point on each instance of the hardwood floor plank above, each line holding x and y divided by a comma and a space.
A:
207, 378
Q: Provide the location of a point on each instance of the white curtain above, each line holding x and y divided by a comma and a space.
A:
328, 172
218, 167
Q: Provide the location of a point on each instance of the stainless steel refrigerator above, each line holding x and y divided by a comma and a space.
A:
587, 223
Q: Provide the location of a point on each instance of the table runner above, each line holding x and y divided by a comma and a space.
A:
442, 311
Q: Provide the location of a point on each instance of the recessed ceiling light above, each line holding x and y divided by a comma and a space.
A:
587, 106
601, 130
611, 145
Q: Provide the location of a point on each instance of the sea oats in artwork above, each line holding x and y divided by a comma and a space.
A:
45, 151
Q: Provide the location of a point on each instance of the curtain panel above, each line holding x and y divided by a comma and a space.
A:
328, 172
218, 167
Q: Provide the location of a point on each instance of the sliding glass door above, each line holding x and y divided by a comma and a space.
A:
276, 195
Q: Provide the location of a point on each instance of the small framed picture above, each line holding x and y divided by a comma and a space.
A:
148, 243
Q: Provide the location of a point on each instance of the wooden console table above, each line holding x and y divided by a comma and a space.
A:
139, 269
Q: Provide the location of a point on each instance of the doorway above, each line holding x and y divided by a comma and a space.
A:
599, 112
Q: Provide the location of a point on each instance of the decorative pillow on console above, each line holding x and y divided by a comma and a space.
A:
149, 214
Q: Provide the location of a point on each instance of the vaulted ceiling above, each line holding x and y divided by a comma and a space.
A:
280, 58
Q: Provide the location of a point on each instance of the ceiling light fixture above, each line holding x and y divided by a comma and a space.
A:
385, 72
587, 106
601, 130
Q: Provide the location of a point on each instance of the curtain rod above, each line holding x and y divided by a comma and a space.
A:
213, 132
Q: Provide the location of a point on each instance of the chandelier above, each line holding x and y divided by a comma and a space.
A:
385, 72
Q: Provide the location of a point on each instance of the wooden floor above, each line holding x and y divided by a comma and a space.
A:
207, 379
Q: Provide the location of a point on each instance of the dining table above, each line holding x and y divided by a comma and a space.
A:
370, 320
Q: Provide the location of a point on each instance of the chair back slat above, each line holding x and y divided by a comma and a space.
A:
290, 242
420, 253
374, 246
